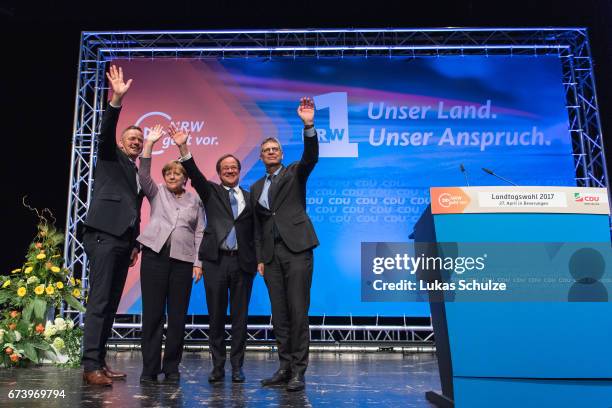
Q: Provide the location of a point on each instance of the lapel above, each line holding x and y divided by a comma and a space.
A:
223, 195
129, 170
276, 193
257, 188
247, 205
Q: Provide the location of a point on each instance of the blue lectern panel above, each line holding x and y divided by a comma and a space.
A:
514, 393
522, 228
528, 340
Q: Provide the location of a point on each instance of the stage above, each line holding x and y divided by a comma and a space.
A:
402, 112
333, 379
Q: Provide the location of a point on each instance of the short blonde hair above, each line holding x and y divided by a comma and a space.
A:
172, 165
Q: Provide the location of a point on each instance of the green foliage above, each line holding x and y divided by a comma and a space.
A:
41, 345
75, 304
27, 311
40, 309
30, 352
72, 349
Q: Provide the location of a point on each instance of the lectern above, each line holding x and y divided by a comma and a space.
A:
524, 353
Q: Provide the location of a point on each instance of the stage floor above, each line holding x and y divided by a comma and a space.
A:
332, 380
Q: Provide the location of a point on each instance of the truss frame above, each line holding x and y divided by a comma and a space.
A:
571, 44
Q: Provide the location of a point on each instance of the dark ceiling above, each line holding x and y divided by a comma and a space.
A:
40, 42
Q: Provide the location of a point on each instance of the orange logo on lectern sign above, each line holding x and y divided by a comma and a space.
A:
448, 200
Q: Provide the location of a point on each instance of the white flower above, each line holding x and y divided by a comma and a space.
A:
50, 330
58, 343
70, 324
17, 336
32, 280
60, 324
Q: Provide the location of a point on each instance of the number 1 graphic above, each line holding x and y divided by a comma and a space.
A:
338, 137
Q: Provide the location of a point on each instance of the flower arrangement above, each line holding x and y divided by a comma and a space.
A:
65, 340
26, 295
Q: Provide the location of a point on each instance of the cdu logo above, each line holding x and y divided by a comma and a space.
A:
581, 198
334, 140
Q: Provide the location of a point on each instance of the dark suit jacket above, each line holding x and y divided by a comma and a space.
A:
115, 204
220, 219
287, 214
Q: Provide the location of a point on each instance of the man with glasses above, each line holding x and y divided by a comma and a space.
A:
227, 253
284, 240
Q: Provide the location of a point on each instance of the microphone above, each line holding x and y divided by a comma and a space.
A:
498, 176
462, 168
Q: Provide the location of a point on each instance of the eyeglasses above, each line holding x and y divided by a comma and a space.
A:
233, 168
271, 150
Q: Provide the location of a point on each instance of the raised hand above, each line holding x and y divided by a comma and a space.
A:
115, 79
180, 137
306, 111
155, 134
152, 137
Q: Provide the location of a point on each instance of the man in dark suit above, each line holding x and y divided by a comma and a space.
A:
284, 240
228, 255
111, 228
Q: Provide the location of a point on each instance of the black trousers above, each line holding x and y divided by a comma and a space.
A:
166, 285
109, 260
288, 278
223, 278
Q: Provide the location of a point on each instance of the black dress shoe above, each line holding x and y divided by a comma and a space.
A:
216, 375
148, 379
238, 375
296, 383
278, 378
173, 378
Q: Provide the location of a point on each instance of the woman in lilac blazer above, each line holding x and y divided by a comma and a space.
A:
169, 262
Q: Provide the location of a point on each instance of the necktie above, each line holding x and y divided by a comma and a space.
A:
264, 199
137, 179
230, 241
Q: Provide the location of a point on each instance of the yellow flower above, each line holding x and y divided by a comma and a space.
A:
41, 256
59, 285
50, 290
15, 270
55, 256
40, 289
78, 281
55, 269
6, 284
72, 281
28, 269
76, 293
21, 292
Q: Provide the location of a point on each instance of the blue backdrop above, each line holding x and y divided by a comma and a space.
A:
390, 128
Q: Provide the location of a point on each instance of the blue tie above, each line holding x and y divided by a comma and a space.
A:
230, 241
264, 199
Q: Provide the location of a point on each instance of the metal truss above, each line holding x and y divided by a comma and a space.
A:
98, 48
584, 122
319, 334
